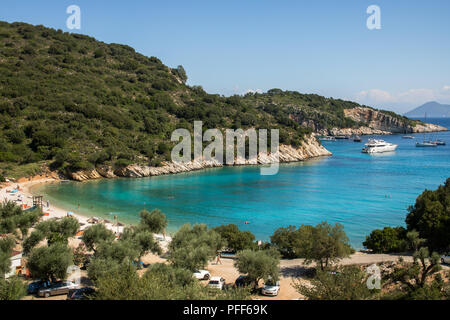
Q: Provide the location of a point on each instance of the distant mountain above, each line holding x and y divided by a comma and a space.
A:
433, 109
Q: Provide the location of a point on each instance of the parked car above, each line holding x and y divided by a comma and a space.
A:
80, 294
242, 281
445, 258
35, 286
202, 274
216, 283
58, 288
271, 288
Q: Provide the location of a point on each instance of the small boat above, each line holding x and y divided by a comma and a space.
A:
408, 137
357, 139
341, 137
328, 138
426, 144
438, 142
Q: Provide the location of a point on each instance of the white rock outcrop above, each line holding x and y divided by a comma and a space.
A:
309, 148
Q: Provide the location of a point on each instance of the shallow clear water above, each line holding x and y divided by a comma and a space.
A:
363, 192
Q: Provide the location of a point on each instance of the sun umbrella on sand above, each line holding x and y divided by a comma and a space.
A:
92, 220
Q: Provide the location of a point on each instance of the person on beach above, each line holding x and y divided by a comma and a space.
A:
218, 259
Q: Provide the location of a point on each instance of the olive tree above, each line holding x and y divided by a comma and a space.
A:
66, 227
192, 247
323, 244
6, 246
423, 267
261, 264
12, 217
236, 239
50, 262
96, 234
12, 289
142, 239
155, 221
55, 231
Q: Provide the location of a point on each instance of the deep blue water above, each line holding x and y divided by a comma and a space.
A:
363, 192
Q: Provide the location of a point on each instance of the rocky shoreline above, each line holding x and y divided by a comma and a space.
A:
310, 148
378, 123
364, 130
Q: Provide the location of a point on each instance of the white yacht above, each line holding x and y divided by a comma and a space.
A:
377, 146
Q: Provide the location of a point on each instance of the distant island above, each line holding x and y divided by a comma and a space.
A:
432, 109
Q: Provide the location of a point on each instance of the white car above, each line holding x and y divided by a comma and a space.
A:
216, 283
271, 288
445, 259
202, 274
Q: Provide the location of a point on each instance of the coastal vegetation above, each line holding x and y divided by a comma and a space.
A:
111, 255
428, 219
50, 262
419, 281
236, 240
323, 244
12, 288
386, 240
6, 247
70, 103
155, 221
53, 231
259, 265
13, 219
113, 262
428, 227
192, 247
96, 234
159, 282
343, 283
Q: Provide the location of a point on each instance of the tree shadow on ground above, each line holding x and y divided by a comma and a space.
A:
297, 271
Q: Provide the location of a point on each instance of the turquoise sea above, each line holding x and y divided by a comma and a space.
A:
363, 192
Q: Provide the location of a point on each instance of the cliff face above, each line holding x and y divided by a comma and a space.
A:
378, 123
309, 148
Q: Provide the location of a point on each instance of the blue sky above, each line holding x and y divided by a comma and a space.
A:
321, 47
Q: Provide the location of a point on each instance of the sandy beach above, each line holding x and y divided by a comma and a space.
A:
24, 197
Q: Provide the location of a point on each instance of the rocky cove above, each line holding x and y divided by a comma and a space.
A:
309, 148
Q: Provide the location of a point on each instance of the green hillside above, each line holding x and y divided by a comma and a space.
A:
71, 102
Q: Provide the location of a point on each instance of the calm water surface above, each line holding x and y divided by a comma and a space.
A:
361, 191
